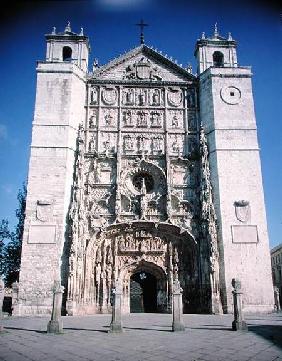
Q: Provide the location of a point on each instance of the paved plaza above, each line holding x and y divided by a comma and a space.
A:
145, 337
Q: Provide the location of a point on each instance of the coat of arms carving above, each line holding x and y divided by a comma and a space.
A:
109, 95
44, 210
242, 210
142, 70
174, 96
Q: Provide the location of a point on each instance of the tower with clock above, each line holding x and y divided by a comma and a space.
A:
143, 174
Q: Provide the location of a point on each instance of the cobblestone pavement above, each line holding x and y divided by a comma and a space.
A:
145, 337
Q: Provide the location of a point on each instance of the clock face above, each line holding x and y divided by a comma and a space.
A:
230, 95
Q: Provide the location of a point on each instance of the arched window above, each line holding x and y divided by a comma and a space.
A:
67, 52
218, 59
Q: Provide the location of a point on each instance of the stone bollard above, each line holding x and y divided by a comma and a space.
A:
2, 293
238, 323
276, 299
116, 326
55, 325
177, 308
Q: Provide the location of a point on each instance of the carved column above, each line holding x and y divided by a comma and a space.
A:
116, 325
2, 291
55, 324
177, 308
238, 323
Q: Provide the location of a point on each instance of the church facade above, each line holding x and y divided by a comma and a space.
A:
145, 173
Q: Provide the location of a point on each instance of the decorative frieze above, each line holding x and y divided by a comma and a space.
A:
143, 97
143, 143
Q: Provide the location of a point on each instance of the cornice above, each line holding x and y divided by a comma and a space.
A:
168, 62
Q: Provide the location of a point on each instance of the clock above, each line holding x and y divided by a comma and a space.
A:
230, 95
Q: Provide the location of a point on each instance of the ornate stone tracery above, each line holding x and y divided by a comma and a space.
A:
136, 204
209, 226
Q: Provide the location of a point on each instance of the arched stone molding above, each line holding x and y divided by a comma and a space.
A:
157, 270
162, 249
143, 167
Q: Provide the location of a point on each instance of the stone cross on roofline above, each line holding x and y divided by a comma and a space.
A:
142, 25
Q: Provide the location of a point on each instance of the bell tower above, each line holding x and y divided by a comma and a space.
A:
216, 51
228, 118
59, 109
68, 47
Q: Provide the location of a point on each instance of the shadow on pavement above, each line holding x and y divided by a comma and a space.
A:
23, 329
272, 333
145, 329
211, 328
85, 329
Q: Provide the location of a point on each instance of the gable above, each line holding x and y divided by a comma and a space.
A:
143, 64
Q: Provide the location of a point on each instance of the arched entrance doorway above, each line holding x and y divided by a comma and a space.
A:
143, 292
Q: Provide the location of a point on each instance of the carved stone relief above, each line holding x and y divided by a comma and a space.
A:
129, 143
139, 193
143, 143
193, 148
94, 95
142, 97
109, 95
93, 117
142, 118
108, 117
175, 97
242, 210
127, 118
176, 144
44, 210
92, 146
128, 96
156, 120
108, 142
191, 102
142, 69
192, 121
117, 257
175, 119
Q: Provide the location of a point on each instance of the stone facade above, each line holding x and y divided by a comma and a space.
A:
276, 264
144, 174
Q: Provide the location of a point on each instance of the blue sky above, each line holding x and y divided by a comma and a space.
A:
174, 28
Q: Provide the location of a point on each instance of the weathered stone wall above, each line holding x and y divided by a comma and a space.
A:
227, 113
59, 109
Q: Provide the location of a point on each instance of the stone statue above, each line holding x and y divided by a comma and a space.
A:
143, 201
94, 96
156, 97
276, 299
174, 121
129, 96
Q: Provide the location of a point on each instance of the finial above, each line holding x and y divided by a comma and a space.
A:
203, 35
95, 64
68, 28
230, 36
81, 32
215, 30
189, 68
54, 30
142, 25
